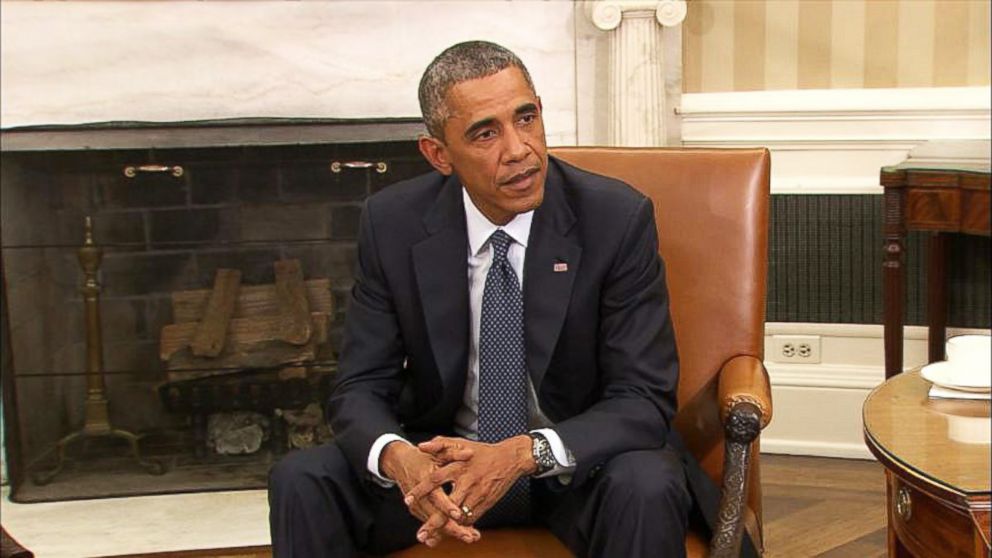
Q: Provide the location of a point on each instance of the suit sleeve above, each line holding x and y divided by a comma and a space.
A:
363, 402
637, 357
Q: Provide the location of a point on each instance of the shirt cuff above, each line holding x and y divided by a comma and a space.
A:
565, 459
373, 461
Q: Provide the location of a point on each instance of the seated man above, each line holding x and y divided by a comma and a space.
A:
508, 354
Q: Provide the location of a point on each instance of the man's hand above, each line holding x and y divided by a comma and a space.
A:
481, 473
409, 467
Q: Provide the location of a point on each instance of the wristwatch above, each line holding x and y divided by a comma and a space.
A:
541, 451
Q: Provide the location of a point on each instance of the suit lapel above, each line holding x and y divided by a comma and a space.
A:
442, 278
549, 272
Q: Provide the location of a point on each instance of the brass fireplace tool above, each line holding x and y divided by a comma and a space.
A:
97, 423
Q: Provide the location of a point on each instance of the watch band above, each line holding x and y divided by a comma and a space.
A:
543, 456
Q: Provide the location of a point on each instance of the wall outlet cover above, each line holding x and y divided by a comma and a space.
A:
796, 349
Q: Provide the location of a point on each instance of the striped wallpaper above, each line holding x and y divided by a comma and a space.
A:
748, 45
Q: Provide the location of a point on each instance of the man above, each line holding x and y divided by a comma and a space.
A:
508, 354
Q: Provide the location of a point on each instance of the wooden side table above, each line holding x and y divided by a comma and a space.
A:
936, 456
929, 194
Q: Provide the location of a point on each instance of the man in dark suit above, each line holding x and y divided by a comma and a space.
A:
508, 354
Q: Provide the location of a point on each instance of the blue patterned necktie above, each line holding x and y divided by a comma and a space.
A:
503, 372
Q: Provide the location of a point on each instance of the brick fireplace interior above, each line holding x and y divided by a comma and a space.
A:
248, 195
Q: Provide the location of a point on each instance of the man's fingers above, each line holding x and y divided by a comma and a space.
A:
478, 496
416, 493
436, 501
465, 491
446, 449
464, 496
429, 530
430, 533
476, 508
453, 453
444, 504
422, 509
437, 443
461, 532
433, 482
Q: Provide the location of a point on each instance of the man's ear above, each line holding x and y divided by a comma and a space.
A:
434, 151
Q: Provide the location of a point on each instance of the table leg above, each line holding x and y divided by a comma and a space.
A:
936, 296
893, 279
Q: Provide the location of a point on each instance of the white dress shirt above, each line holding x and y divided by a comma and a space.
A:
479, 260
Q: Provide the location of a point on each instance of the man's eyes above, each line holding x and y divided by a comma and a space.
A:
490, 133
528, 118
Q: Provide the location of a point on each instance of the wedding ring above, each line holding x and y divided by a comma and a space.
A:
468, 512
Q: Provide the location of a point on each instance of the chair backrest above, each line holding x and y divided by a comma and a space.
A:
711, 208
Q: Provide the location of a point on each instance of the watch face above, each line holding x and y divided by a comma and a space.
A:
543, 456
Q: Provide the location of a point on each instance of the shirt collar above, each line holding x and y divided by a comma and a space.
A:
480, 228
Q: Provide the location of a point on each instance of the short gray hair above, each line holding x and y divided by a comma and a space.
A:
461, 62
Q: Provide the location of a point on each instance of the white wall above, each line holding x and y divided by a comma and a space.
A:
77, 62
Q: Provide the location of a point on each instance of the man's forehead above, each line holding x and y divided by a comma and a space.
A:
496, 93
507, 80
486, 110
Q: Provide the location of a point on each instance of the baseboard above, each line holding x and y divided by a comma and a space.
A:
816, 448
264, 551
817, 407
817, 414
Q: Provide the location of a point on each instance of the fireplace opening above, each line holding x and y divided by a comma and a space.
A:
218, 262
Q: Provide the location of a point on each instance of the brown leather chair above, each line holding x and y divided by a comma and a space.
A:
10, 548
711, 208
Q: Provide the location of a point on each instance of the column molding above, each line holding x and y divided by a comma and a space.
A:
644, 56
608, 14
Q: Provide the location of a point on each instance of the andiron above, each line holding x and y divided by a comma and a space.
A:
97, 419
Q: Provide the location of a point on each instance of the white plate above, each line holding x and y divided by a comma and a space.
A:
953, 377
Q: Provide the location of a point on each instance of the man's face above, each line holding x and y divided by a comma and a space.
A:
494, 142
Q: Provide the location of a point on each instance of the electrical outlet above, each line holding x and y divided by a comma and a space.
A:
804, 349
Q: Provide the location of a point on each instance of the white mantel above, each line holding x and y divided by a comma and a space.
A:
79, 62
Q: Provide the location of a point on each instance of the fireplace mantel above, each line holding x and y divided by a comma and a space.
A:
209, 133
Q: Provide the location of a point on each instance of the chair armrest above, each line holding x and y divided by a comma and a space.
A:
10, 548
745, 408
744, 379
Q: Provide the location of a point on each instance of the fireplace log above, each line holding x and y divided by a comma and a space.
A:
253, 300
251, 343
208, 341
294, 326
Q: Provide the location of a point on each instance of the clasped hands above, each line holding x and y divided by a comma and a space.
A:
478, 474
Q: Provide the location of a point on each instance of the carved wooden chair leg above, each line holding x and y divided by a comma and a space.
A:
742, 426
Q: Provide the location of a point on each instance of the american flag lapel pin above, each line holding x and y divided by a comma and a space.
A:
561, 267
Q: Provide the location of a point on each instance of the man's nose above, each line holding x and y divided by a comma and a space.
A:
514, 147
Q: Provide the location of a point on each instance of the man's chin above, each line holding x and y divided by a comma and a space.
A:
532, 202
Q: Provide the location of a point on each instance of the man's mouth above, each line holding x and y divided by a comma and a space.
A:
521, 179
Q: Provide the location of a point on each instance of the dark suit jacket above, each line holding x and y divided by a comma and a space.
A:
600, 346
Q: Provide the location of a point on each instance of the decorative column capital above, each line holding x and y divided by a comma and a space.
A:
607, 14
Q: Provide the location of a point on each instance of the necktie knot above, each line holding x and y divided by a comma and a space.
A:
500, 242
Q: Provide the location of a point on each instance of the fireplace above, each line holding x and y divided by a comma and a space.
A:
173, 209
